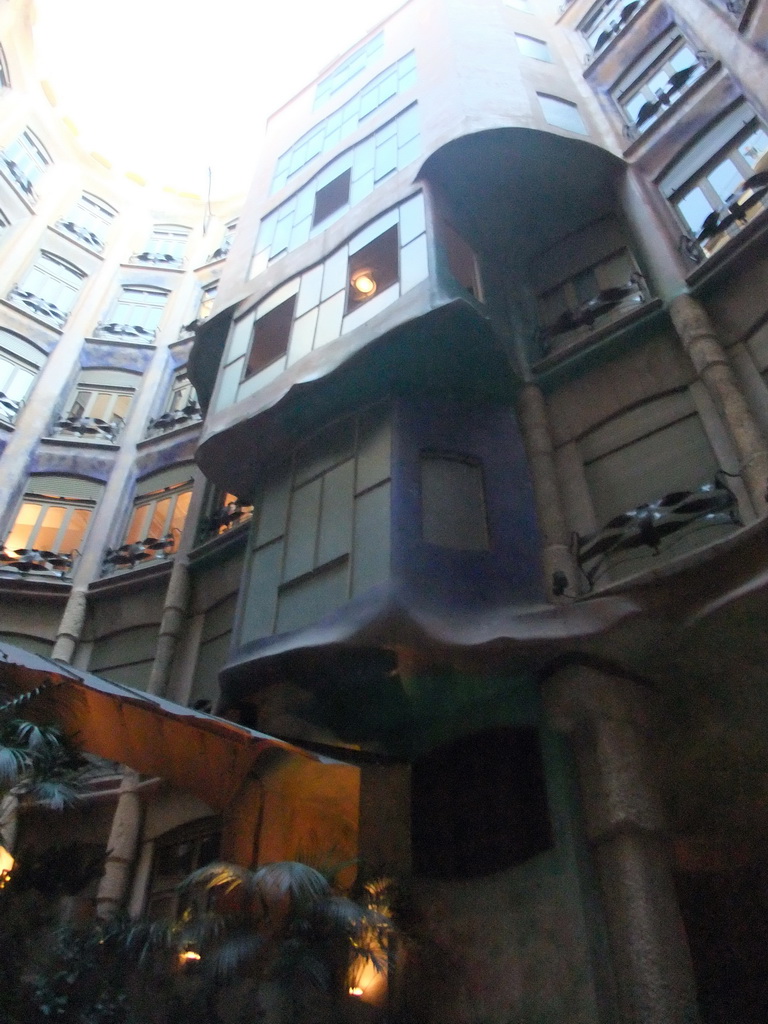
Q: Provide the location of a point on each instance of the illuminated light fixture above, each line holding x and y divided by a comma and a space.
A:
364, 283
6, 866
189, 956
355, 991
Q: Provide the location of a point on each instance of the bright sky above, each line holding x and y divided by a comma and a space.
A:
159, 86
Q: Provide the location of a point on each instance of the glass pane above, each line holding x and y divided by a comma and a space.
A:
45, 539
22, 528
725, 179
18, 386
136, 529
75, 530
754, 147
101, 405
121, 406
179, 515
157, 525
695, 208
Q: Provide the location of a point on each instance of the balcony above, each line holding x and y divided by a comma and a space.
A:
89, 428
190, 413
607, 307
677, 516
80, 234
20, 179
9, 408
38, 305
128, 556
32, 560
134, 331
221, 252
608, 22
158, 259
226, 517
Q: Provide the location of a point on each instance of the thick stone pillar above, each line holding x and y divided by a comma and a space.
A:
608, 720
537, 438
714, 370
171, 625
121, 848
71, 626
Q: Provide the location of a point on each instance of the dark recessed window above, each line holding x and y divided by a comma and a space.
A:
479, 805
331, 197
453, 502
270, 336
373, 269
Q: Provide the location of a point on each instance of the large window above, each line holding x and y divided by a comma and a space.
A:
99, 405
182, 406
607, 20
397, 78
350, 68
226, 242
20, 362
50, 288
453, 513
721, 183
90, 221
159, 510
165, 246
25, 159
52, 520
529, 46
271, 332
137, 313
342, 183
657, 80
177, 854
207, 299
562, 113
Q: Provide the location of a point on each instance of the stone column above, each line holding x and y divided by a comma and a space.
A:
607, 718
714, 370
71, 626
171, 625
121, 848
537, 438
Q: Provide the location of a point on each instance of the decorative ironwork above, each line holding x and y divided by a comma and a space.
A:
38, 305
81, 234
648, 525
220, 253
225, 517
588, 313
664, 97
158, 259
90, 426
690, 248
9, 408
25, 560
128, 555
615, 27
126, 331
19, 177
734, 210
176, 417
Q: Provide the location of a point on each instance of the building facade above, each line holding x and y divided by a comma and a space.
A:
466, 510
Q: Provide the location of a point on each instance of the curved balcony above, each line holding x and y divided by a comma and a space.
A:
80, 234
33, 560
37, 305
158, 259
9, 408
89, 428
133, 331
20, 179
190, 413
128, 556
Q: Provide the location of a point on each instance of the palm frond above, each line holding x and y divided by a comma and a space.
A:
219, 874
301, 884
55, 794
14, 762
236, 951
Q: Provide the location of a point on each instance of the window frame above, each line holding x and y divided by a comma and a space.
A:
133, 329
144, 510
26, 160
57, 276
165, 246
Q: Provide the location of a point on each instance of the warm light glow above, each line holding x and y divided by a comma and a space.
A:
356, 991
364, 283
6, 865
189, 956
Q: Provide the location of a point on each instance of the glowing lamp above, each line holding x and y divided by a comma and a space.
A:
356, 991
364, 283
189, 956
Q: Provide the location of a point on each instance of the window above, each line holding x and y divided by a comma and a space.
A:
90, 221
372, 269
50, 288
662, 75
207, 298
346, 180
226, 242
165, 247
395, 79
19, 365
25, 160
271, 333
608, 20
531, 47
479, 805
462, 261
137, 313
177, 854
182, 406
729, 187
99, 405
331, 197
159, 512
53, 519
562, 113
226, 511
5, 79
453, 502
354, 65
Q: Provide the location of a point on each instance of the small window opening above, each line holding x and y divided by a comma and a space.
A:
271, 333
373, 269
331, 197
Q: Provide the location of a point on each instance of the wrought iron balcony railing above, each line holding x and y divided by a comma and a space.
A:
82, 234
608, 305
190, 413
38, 305
127, 556
26, 560
89, 426
158, 259
647, 526
220, 253
114, 330
9, 408
23, 182
234, 513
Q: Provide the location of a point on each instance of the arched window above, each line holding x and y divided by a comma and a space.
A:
25, 159
20, 362
90, 221
159, 511
49, 289
165, 246
98, 406
137, 312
